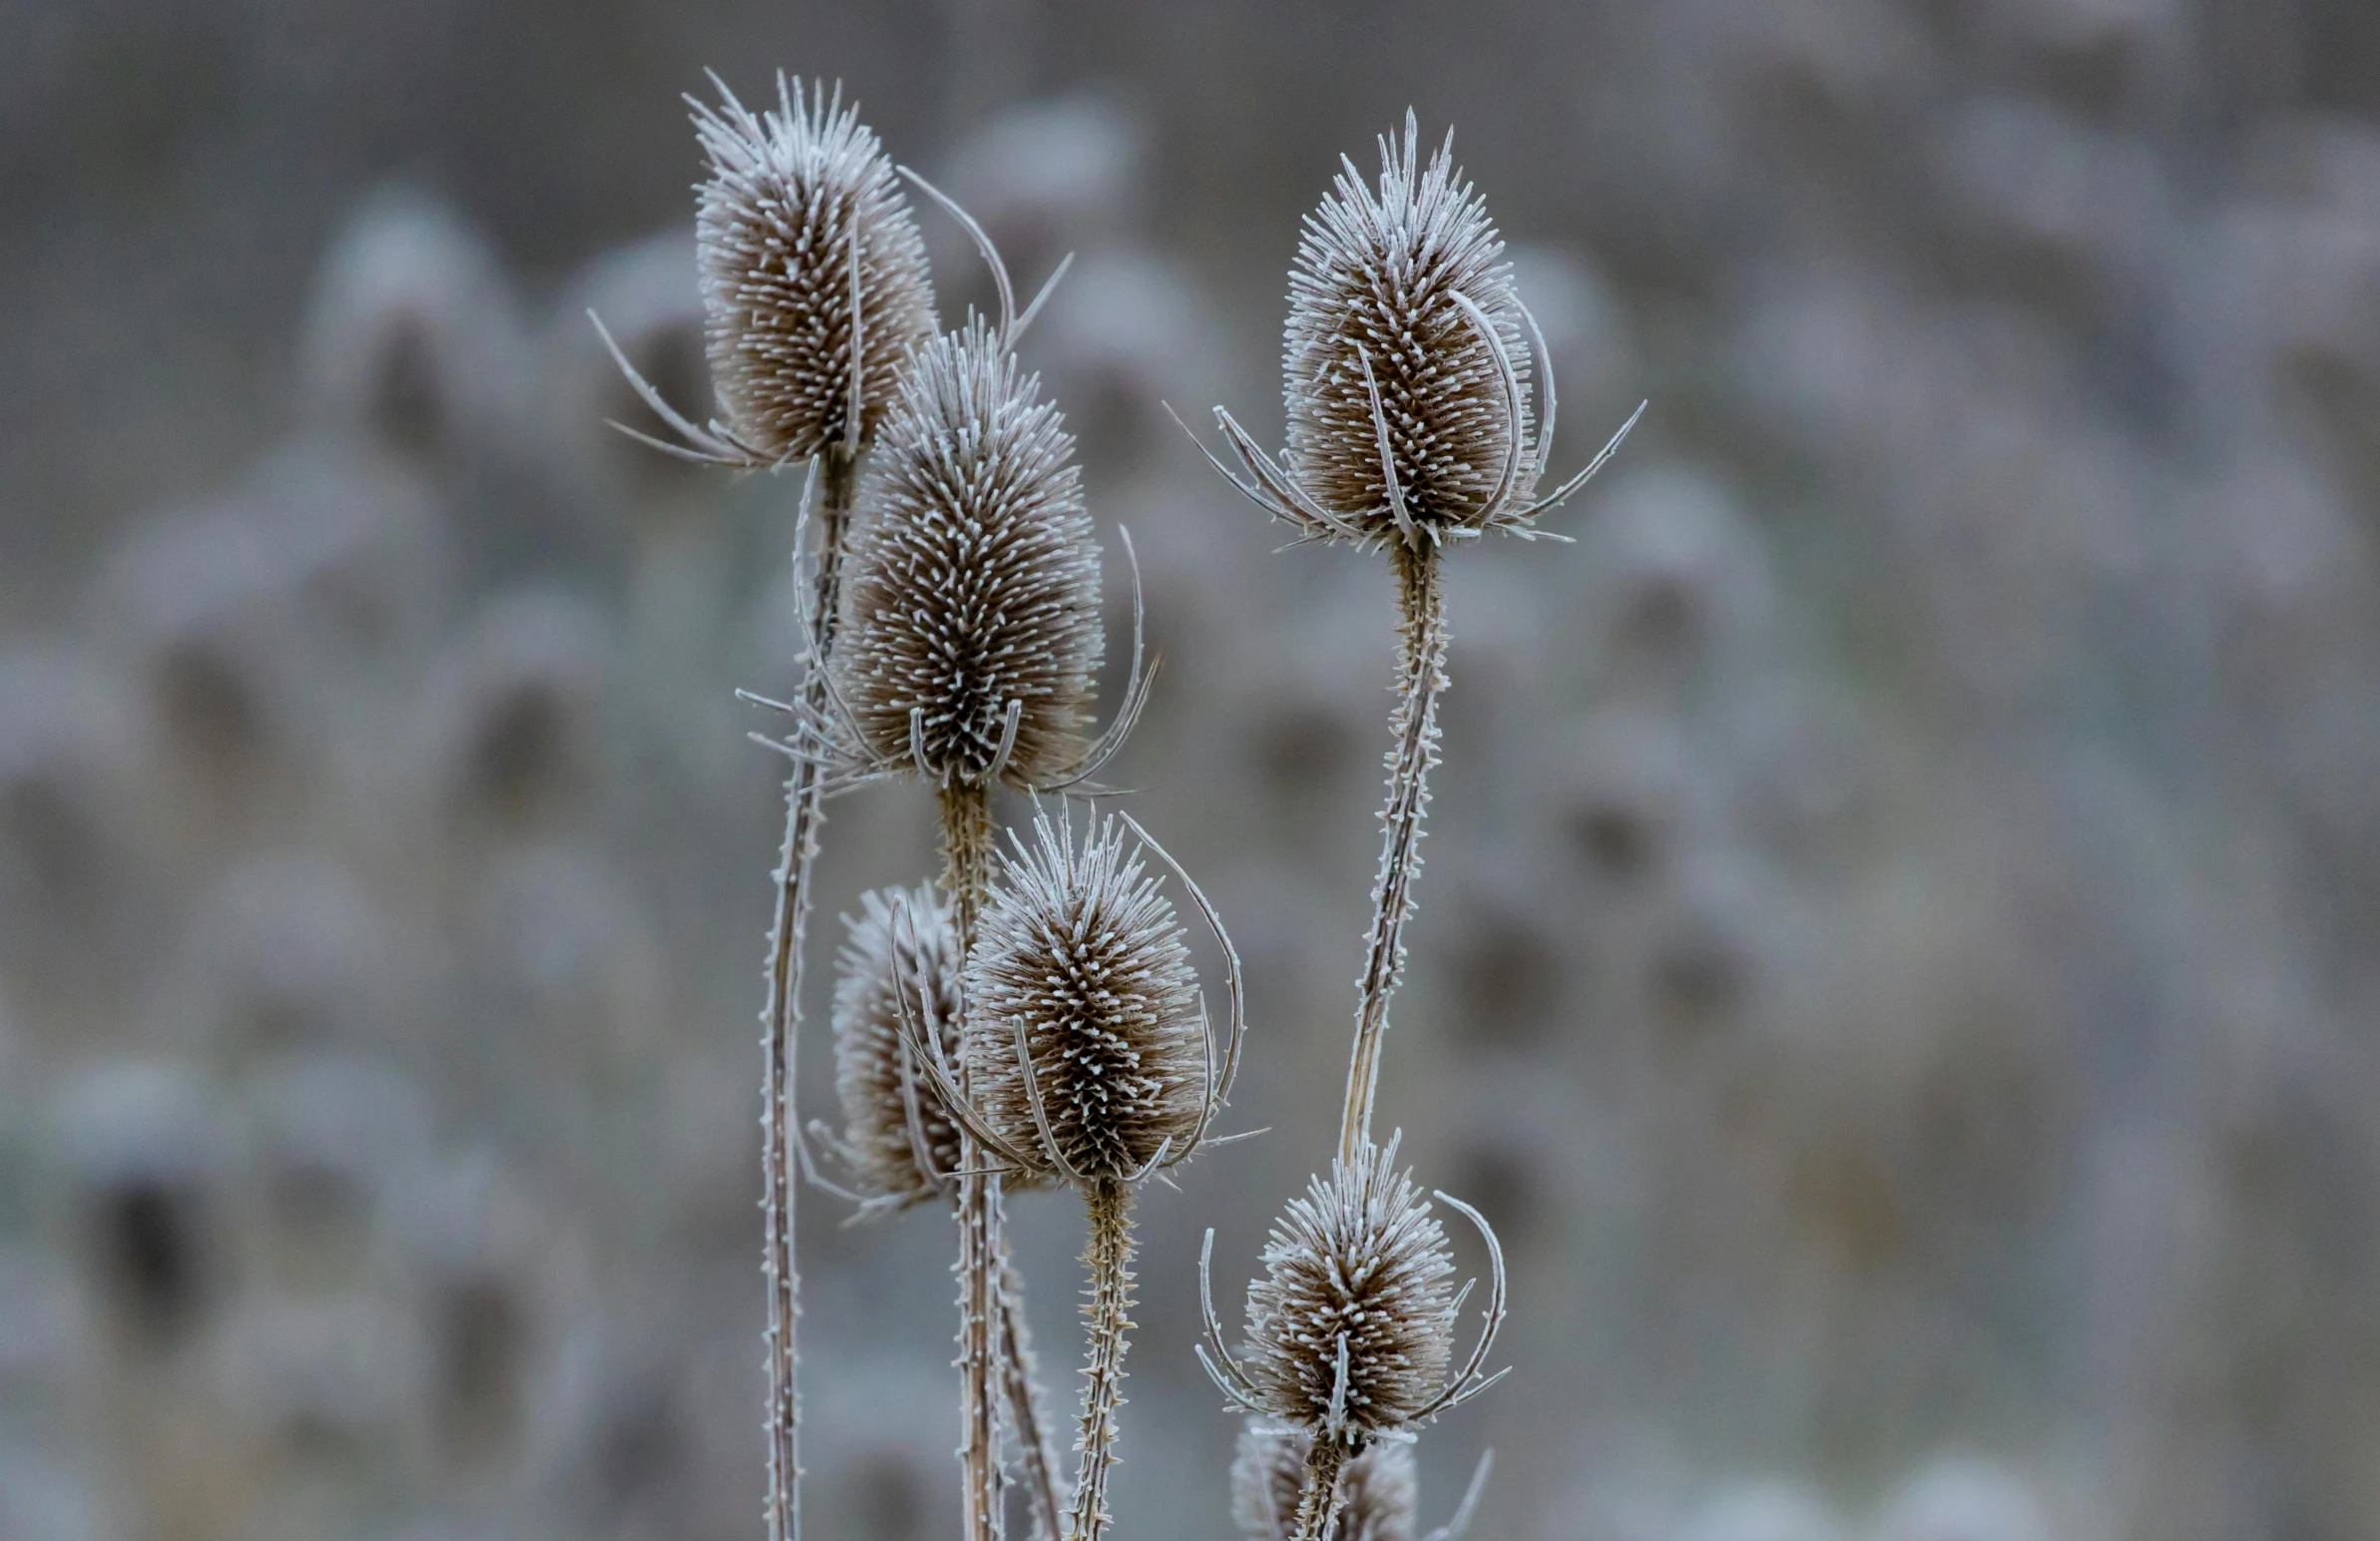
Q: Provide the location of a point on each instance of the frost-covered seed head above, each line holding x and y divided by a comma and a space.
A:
1359, 1258
1268, 1473
775, 229
902, 937
1375, 282
1080, 951
975, 579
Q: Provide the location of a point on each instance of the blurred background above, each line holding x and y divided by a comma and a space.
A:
1896, 959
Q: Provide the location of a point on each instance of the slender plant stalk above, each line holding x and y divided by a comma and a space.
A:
1023, 1383
1421, 641
967, 834
1107, 1255
1324, 1494
781, 1020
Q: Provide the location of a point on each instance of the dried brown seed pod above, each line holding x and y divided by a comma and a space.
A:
971, 637
1379, 332
1350, 1329
1354, 1320
1406, 371
897, 979
1086, 1037
815, 280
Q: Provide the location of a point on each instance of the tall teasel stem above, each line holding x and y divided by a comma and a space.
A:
781, 1021
1107, 1256
967, 856
813, 289
1421, 644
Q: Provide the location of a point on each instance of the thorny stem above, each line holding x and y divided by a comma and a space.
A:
1323, 1495
1421, 680
780, 1022
1024, 1401
966, 876
1107, 1255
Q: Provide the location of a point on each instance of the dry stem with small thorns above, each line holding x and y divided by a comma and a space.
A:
814, 286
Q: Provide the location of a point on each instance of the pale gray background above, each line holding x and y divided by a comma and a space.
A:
1896, 955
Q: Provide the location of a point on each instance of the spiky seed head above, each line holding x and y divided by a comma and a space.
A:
1375, 283
1359, 1258
1080, 953
975, 579
903, 945
1268, 1473
791, 194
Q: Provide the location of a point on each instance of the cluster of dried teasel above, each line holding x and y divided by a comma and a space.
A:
1032, 1018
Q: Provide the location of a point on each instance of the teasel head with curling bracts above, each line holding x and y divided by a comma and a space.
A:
1350, 1328
971, 641
1092, 1055
814, 283
1407, 370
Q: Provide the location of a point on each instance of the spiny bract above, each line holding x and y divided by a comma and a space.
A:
795, 197
901, 947
1373, 308
1081, 954
1268, 1473
1359, 1259
975, 583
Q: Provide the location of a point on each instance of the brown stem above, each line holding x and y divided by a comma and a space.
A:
966, 876
1421, 641
780, 1022
1107, 1255
1324, 1494
1024, 1401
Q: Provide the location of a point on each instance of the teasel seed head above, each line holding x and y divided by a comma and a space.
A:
1407, 364
1268, 1473
971, 640
1376, 315
1087, 1036
896, 983
810, 257
1360, 1260
1350, 1329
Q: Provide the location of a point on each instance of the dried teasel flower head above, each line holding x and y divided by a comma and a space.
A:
813, 274
1407, 375
1087, 1036
896, 981
1350, 1329
971, 635
1269, 1474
